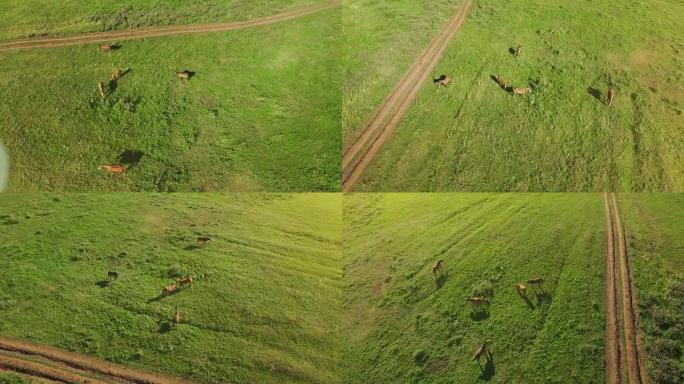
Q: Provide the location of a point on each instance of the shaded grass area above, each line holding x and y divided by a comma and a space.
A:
474, 136
264, 307
401, 324
261, 113
30, 18
655, 224
382, 38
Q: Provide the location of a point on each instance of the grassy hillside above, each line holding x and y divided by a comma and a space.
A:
29, 18
264, 307
261, 113
474, 136
14, 379
382, 38
401, 325
655, 229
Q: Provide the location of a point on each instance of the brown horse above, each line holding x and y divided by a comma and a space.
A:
185, 281
476, 301
481, 351
521, 91
611, 96
169, 289
105, 47
113, 168
177, 317
101, 88
184, 75
437, 267
201, 240
517, 51
501, 82
112, 275
443, 80
522, 289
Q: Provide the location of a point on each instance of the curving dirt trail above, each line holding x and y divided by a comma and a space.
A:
143, 33
53, 364
625, 358
377, 131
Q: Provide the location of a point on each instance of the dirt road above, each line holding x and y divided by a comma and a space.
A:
625, 356
144, 33
378, 130
53, 364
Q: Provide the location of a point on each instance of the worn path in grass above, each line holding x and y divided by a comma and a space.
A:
360, 154
625, 352
70, 367
135, 34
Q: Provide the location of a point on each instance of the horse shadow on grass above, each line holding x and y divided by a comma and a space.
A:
489, 369
596, 94
441, 280
103, 283
529, 302
159, 297
164, 327
191, 247
130, 157
542, 296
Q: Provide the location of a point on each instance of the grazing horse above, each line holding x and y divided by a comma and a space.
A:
116, 74
203, 240
476, 301
184, 75
522, 289
101, 88
501, 82
169, 289
105, 47
481, 351
443, 80
177, 317
112, 275
536, 282
113, 168
517, 51
186, 281
521, 91
611, 96
437, 267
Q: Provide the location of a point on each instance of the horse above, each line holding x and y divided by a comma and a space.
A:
476, 301
437, 267
611, 96
169, 289
184, 75
177, 317
112, 275
105, 47
521, 91
501, 82
481, 351
517, 51
522, 289
185, 281
100, 87
113, 168
536, 282
443, 80
203, 240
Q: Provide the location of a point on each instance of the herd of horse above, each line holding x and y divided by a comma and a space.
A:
445, 80
104, 91
166, 290
480, 301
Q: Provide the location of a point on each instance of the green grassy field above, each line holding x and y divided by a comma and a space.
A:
401, 325
381, 40
261, 113
474, 136
264, 307
29, 18
655, 224
14, 379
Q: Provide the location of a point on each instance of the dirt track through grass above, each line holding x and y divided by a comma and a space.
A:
377, 131
85, 368
102, 37
625, 353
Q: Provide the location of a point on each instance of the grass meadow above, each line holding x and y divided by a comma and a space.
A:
261, 113
31, 18
402, 325
655, 225
264, 307
474, 136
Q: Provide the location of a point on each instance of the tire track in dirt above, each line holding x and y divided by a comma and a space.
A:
69, 367
632, 358
612, 328
144, 33
357, 157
